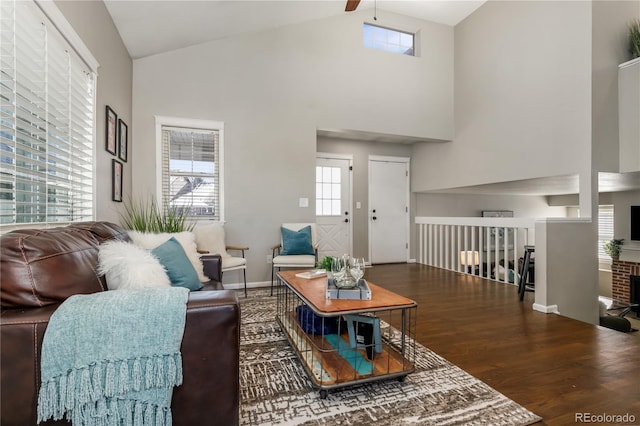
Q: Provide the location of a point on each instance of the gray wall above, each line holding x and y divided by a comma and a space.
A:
361, 151
273, 90
459, 205
570, 260
524, 88
622, 201
471, 205
93, 24
534, 97
522, 97
610, 48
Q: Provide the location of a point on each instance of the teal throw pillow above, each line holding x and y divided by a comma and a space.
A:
297, 242
178, 266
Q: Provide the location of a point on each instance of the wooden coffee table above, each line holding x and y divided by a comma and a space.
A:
332, 355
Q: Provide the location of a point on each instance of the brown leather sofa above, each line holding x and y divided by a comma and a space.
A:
41, 268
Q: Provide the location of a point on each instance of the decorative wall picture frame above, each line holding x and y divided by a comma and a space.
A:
116, 180
123, 135
111, 131
497, 213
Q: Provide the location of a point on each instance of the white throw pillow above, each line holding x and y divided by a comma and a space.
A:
210, 238
186, 239
127, 266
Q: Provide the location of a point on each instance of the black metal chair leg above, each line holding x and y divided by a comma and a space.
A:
522, 284
272, 272
523, 276
245, 281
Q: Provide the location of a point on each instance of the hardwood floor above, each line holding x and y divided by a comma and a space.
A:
556, 367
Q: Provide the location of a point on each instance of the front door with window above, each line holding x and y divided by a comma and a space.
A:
333, 198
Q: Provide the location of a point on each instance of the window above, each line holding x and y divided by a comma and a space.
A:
191, 170
387, 39
328, 195
47, 98
605, 231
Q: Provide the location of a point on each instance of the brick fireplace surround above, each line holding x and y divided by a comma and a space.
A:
620, 271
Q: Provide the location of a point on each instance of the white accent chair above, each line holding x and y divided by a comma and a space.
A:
210, 238
299, 261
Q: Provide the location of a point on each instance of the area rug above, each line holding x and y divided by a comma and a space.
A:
275, 389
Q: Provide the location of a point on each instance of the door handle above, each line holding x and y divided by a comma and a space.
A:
374, 218
346, 221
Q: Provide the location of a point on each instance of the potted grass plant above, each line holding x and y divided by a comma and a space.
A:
148, 216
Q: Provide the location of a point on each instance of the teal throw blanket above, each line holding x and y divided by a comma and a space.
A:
113, 358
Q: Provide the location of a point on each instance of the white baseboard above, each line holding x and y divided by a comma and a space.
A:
411, 261
551, 309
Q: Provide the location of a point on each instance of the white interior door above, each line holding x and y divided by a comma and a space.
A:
388, 209
333, 201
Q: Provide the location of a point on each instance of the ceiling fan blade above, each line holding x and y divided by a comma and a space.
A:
351, 5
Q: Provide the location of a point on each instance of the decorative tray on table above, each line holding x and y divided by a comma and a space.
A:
360, 292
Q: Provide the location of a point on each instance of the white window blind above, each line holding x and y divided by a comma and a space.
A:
605, 230
47, 97
191, 171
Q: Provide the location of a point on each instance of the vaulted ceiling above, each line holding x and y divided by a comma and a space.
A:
148, 27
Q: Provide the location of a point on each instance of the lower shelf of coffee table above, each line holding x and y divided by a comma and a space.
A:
330, 361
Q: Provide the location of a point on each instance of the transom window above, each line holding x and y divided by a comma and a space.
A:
328, 193
388, 39
191, 178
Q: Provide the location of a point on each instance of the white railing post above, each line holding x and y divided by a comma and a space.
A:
481, 251
442, 240
459, 248
473, 248
506, 254
488, 251
430, 244
515, 256
453, 248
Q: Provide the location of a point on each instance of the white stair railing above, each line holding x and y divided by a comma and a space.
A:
475, 245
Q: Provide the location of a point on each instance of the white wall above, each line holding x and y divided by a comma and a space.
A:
273, 90
522, 97
92, 22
